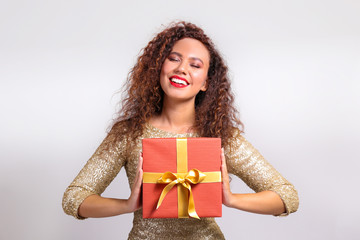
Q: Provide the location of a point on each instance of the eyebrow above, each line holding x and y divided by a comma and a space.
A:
180, 55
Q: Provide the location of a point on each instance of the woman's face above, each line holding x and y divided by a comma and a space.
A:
184, 71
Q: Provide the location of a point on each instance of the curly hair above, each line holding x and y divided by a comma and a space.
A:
215, 113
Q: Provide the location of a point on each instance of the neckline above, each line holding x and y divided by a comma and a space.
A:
152, 127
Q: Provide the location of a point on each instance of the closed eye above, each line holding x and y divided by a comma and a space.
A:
174, 59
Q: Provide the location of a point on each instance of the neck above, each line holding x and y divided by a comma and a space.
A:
176, 116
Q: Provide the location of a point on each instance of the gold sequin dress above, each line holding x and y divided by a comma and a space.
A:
243, 160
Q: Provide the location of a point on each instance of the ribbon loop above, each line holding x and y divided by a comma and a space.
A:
194, 176
167, 177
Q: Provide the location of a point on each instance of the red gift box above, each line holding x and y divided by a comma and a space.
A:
184, 173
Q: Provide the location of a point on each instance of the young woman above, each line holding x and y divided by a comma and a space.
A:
178, 88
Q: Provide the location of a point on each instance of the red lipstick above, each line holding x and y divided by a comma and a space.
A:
178, 85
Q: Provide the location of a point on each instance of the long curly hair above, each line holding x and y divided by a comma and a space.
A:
214, 110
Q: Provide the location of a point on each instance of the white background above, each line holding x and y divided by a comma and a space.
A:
295, 67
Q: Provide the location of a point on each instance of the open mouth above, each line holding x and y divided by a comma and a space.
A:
178, 81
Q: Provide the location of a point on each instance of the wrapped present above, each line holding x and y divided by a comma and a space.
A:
182, 177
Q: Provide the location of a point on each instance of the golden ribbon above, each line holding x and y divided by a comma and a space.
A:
194, 176
184, 179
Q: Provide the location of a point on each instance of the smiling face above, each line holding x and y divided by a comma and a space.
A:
184, 71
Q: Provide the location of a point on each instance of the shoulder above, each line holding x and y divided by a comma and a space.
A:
120, 130
120, 126
236, 132
239, 144
118, 136
236, 137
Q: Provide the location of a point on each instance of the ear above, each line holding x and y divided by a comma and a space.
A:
205, 86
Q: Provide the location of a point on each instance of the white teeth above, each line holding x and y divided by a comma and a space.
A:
175, 80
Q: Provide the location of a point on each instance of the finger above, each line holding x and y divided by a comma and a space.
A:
139, 162
223, 159
223, 164
139, 166
139, 171
137, 182
140, 178
224, 171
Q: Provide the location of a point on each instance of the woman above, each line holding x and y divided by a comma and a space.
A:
178, 88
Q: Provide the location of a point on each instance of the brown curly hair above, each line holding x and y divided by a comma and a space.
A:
215, 113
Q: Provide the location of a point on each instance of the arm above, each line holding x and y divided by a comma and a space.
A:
265, 202
97, 206
273, 193
82, 198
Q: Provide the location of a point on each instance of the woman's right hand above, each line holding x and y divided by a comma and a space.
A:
134, 201
97, 206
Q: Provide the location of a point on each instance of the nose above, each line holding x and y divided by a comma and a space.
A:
181, 68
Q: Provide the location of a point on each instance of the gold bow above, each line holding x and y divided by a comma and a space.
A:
194, 176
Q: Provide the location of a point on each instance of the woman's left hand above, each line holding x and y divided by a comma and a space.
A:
226, 193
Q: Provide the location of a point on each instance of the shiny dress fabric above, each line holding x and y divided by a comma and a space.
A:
243, 160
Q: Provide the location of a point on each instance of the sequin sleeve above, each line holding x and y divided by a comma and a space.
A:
95, 176
244, 161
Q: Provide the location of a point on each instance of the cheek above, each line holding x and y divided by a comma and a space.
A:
166, 67
164, 71
200, 77
164, 74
